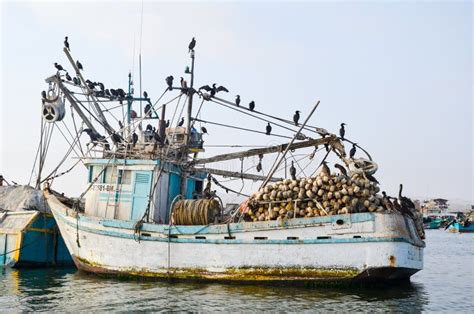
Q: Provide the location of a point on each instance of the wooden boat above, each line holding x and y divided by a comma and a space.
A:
149, 211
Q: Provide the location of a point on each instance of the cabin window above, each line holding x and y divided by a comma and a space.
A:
110, 175
96, 172
124, 177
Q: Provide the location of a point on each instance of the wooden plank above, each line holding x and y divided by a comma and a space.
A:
266, 150
232, 174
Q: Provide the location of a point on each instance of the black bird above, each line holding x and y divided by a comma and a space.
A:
169, 82
43, 94
58, 66
296, 117
192, 44
269, 129
113, 92
252, 105
167, 123
326, 146
134, 138
214, 89
148, 110
181, 122
353, 151
342, 130
66, 43
94, 136
68, 77
326, 168
79, 65
76, 80
293, 171
121, 93
204, 130
341, 169
145, 94
91, 85
237, 100
116, 138
149, 127
371, 178
156, 137
120, 124
107, 92
259, 166
101, 86
184, 85
404, 200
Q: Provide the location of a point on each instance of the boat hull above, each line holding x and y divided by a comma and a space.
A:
363, 246
458, 228
31, 239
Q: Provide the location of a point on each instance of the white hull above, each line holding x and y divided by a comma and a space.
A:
364, 245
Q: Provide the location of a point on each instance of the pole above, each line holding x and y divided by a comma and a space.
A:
129, 102
102, 118
140, 77
190, 101
277, 164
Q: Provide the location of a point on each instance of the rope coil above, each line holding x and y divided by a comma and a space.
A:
195, 212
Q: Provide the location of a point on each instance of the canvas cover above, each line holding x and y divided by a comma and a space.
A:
22, 197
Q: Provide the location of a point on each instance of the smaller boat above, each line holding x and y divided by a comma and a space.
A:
29, 235
465, 224
432, 223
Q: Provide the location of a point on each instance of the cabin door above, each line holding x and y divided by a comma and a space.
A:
141, 192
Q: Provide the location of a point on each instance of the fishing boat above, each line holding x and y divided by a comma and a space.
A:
462, 225
151, 211
29, 236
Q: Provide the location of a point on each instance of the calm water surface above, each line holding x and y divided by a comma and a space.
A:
445, 285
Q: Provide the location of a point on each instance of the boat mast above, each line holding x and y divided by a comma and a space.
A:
190, 103
129, 101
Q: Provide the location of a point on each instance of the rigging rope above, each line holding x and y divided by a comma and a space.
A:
239, 128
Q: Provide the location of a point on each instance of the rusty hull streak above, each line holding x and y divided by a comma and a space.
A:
244, 274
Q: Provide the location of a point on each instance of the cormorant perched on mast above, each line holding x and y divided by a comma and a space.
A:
237, 100
214, 89
353, 151
169, 82
252, 105
68, 77
43, 94
181, 122
296, 117
204, 130
58, 66
293, 171
184, 85
134, 138
342, 130
76, 81
147, 110
192, 44
66, 43
269, 129
145, 94
79, 65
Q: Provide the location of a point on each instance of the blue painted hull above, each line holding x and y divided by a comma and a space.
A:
457, 227
35, 242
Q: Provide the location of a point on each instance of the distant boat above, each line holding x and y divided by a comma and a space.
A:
462, 225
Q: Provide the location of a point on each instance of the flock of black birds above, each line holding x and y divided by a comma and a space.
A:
99, 90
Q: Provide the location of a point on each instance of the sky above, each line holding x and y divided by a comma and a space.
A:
399, 73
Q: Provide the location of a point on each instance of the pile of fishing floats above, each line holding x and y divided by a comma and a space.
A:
322, 195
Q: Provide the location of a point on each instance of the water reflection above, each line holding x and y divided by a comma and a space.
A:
445, 285
67, 289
